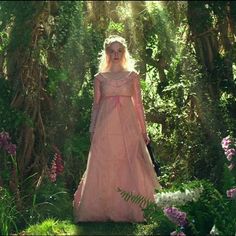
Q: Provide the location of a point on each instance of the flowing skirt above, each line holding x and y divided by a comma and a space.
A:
118, 158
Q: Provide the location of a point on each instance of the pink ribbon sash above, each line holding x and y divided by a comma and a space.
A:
116, 99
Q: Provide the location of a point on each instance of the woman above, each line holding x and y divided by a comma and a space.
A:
118, 156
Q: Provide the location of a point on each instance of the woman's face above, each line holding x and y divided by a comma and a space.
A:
115, 53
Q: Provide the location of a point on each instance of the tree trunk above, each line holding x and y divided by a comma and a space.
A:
206, 44
27, 75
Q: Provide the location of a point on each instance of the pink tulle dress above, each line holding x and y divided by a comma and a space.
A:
118, 156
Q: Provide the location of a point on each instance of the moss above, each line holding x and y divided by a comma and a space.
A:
56, 227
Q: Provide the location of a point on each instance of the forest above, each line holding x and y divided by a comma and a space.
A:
186, 56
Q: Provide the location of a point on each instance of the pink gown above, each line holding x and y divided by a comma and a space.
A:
118, 155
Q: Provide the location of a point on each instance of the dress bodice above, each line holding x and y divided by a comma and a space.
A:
127, 87
116, 87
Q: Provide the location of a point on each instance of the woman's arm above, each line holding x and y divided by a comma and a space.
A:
96, 101
138, 104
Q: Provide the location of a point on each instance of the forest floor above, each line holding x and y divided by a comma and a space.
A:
56, 227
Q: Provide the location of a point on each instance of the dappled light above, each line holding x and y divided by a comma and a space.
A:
185, 55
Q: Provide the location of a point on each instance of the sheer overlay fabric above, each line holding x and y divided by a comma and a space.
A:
118, 156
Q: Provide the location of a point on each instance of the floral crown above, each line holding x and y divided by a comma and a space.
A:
114, 38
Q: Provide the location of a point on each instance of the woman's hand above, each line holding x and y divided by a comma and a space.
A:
146, 138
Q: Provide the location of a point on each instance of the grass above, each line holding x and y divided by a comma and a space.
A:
56, 227
52, 227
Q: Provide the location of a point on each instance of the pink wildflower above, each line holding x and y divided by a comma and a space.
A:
53, 173
57, 165
231, 193
11, 149
230, 153
226, 142
175, 215
6, 144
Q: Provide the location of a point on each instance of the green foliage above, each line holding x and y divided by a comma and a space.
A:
56, 227
188, 136
76, 152
211, 209
55, 77
155, 216
188, 123
19, 12
228, 180
228, 105
8, 212
134, 198
67, 22
49, 200
52, 226
205, 21
76, 146
4, 41
115, 28
75, 46
160, 33
10, 117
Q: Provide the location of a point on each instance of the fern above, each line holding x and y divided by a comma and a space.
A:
138, 199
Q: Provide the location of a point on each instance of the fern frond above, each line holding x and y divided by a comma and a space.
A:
138, 199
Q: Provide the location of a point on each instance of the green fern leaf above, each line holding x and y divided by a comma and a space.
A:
138, 199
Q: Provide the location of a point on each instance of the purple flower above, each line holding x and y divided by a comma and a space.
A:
176, 216
57, 166
4, 138
6, 144
59, 163
53, 171
230, 153
11, 149
226, 142
231, 193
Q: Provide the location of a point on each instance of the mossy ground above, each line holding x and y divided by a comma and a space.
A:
56, 227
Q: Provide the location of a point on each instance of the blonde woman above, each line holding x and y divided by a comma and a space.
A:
118, 156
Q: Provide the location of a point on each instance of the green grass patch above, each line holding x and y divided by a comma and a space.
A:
57, 227
52, 227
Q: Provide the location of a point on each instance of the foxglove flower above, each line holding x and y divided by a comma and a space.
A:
226, 142
59, 163
11, 149
231, 193
53, 171
57, 166
230, 153
4, 139
6, 144
176, 216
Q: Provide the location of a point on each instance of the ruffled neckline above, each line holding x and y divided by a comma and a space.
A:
123, 77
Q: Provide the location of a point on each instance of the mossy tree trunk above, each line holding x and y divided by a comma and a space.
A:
216, 67
28, 76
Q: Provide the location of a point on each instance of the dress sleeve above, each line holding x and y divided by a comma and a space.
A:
137, 100
96, 103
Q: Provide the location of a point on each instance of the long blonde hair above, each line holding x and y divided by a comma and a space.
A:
128, 63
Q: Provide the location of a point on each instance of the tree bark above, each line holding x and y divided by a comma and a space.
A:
27, 75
